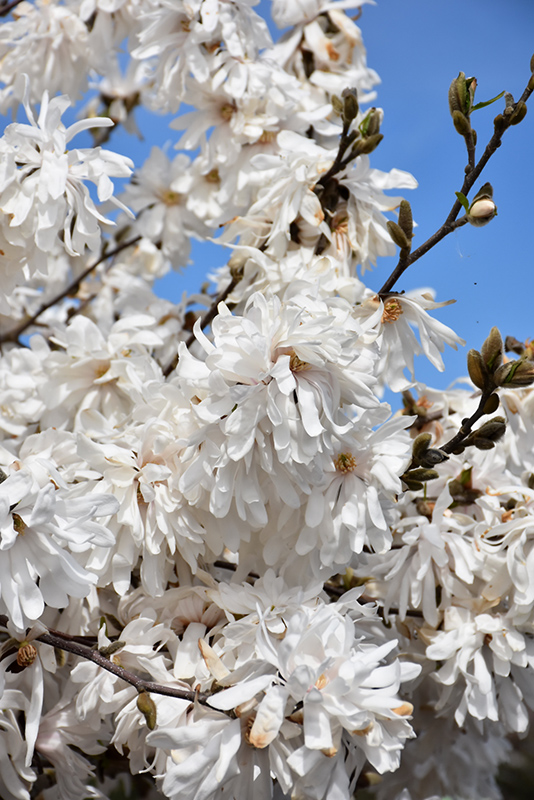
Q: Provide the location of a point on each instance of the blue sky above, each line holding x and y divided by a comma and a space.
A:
417, 47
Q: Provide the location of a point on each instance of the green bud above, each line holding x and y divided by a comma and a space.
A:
492, 404
432, 457
459, 95
461, 123
500, 123
420, 445
147, 707
519, 113
515, 374
111, 648
337, 104
477, 369
405, 218
364, 147
492, 350
420, 474
350, 105
532, 64
370, 125
530, 481
484, 438
413, 486
398, 235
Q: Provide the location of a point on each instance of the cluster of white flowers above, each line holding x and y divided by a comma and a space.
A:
277, 585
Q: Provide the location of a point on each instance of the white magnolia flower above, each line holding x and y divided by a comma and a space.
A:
43, 193
38, 526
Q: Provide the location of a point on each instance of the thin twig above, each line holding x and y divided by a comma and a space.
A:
467, 424
13, 335
206, 320
4, 10
451, 223
65, 642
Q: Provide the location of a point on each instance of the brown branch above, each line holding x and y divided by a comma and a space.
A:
467, 424
451, 223
13, 335
70, 644
206, 320
5, 9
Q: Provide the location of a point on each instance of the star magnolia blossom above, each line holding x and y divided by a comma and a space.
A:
259, 580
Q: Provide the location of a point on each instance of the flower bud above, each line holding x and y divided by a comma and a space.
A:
492, 350
147, 707
364, 147
477, 369
484, 438
337, 104
370, 125
459, 99
420, 445
492, 404
519, 114
482, 209
420, 474
532, 64
461, 123
398, 235
515, 374
406, 219
350, 105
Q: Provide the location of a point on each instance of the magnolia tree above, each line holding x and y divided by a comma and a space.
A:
227, 568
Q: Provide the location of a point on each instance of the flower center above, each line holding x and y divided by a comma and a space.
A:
392, 310
345, 462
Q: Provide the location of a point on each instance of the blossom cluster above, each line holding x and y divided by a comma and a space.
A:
311, 591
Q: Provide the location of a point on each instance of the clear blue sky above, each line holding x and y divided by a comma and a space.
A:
417, 48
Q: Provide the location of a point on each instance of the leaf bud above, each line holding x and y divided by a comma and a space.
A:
519, 113
405, 218
477, 369
532, 64
459, 99
492, 404
500, 123
398, 235
147, 707
370, 125
350, 105
492, 350
461, 123
515, 374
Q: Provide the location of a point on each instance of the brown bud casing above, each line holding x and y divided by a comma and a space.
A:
492, 350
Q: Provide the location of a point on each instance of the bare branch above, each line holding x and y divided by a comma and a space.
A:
451, 223
13, 335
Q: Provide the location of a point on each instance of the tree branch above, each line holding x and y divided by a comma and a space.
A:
451, 223
5, 9
70, 644
13, 335
206, 320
